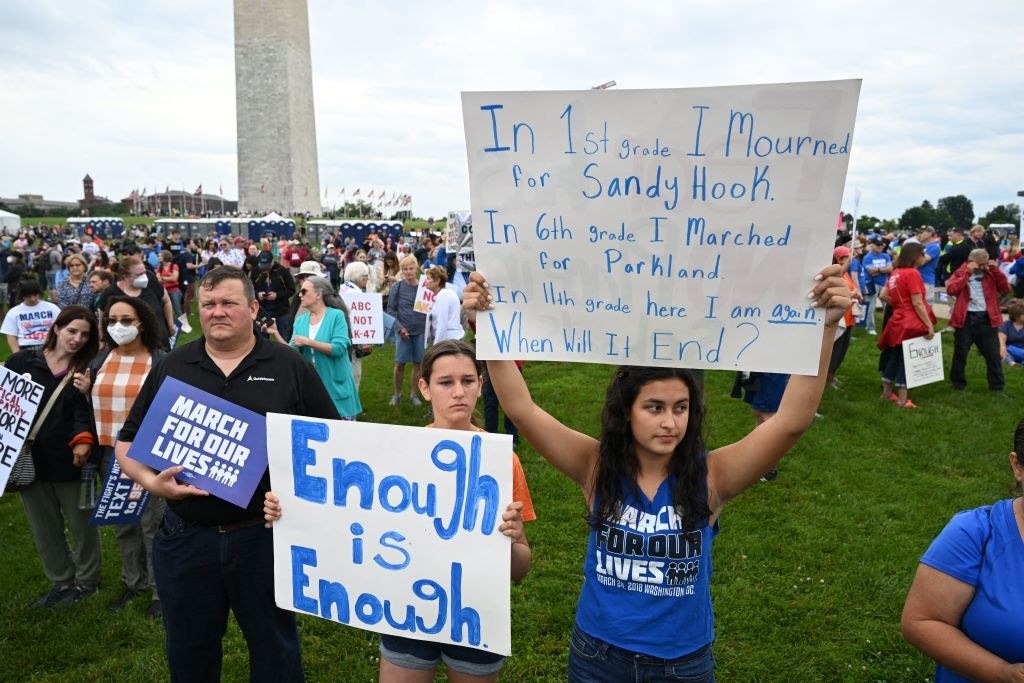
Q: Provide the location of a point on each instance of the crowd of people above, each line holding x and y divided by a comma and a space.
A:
107, 338
102, 343
904, 275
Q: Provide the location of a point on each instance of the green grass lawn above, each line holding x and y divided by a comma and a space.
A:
810, 570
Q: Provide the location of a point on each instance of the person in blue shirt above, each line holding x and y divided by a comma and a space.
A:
654, 494
932, 252
1011, 334
1017, 270
857, 273
877, 266
965, 606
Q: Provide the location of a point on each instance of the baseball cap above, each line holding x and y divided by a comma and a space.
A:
840, 253
265, 260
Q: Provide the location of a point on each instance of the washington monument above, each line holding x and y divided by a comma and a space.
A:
277, 163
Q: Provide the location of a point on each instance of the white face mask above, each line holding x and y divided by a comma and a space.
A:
140, 282
122, 334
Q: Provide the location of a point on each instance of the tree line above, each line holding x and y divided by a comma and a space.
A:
950, 212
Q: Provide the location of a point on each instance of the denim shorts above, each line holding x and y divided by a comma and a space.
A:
409, 350
424, 654
591, 660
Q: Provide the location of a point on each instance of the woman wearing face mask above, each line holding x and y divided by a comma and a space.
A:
135, 281
117, 376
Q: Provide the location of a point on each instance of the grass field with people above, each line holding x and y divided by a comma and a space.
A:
810, 570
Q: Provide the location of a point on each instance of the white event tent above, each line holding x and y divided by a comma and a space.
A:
10, 223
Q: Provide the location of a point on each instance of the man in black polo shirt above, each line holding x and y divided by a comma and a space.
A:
210, 555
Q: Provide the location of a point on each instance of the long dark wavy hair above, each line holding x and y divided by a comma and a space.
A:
617, 464
87, 351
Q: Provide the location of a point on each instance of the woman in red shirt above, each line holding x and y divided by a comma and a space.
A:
912, 317
168, 274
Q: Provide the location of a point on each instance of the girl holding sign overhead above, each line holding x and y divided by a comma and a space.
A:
451, 381
654, 495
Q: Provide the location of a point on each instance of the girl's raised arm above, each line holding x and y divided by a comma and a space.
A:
573, 453
735, 467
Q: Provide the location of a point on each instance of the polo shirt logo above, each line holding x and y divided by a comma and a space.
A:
259, 379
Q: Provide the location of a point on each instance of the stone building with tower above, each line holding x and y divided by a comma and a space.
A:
90, 203
277, 157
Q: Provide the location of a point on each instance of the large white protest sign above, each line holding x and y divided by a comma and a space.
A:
366, 314
922, 359
19, 401
393, 529
658, 227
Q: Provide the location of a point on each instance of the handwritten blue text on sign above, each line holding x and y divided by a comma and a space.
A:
393, 529
658, 227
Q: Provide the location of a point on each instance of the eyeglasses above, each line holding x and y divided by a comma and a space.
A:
124, 321
304, 291
76, 265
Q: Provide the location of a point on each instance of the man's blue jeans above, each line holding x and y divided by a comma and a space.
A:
202, 573
870, 301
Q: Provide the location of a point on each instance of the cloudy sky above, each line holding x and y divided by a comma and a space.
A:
141, 94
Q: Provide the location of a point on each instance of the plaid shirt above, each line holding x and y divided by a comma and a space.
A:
118, 382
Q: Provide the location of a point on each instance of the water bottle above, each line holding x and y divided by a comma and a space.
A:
88, 491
